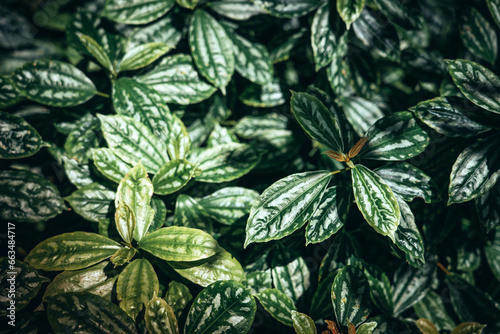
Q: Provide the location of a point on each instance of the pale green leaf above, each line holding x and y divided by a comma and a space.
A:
494, 6
303, 324
366, 328
160, 318
178, 297
163, 30
96, 50
125, 221
426, 326
143, 55
123, 256
220, 136
468, 328
350, 10
173, 176
109, 164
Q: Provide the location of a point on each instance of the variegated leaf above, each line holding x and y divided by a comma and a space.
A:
380, 289
220, 267
211, 49
160, 318
431, 307
123, 256
96, 50
136, 11
338, 72
177, 243
163, 30
252, 127
330, 215
287, 8
321, 303
351, 296
257, 281
71, 251
53, 83
285, 206
189, 4
189, 213
361, 113
135, 286
9, 96
18, 139
367, 327
229, 204
408, 182
395, 137
478, 35
92, 202
236, 9
283, 51
376, 201
136, 190
252, 60
492, 252
488, 208
225, 162
143, 55
177, 81
125, 221
477, 83
408, 237
178, 297
132, 141
317, 121
494, 7
475, 171
290, 274
303, 324
278, 305
267, 96
468, 328
28, 197
110, 164
78, 175
173, 176
82, 312
410, 285
350, 10
221, 307
220, 136
323, 40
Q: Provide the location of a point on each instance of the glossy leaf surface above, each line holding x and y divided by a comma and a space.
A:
18, 138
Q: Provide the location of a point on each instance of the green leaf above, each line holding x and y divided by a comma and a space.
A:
189, 213
408, 237
361, 113
257, 281
21, 284
252, 60
253, 127
323, 40
475, 171
267, 96
190, 4
411, 285
123, 256
373, 30
92, 202
287, 8
177, 81
82, 312
173, 176
478, 35
109, 164
82, 139
339, 254
395, 137
431, 307
9, 96
163, 30
221, 307
96, 51
492, 252
303, 324
71, 251
468, 328
380, 289
330, 216
136, 190
211, 49
285, 206
95, 279
350, 10
351, 296
160, 214
220, 267
221, 136
317, 121
143, 55
408, 182
135, 286
28, 197
229, 204
290, 274
494, 7
160, 318
321, 304
136, 11
125, 221
278, 305
53, 83
283, 51
477, 83
376, 201
338, 72
406, 15
178, 297
236, 9
78, 175
225, 162
488, 208
367, 328
447, 115
18, 138
177, 243
132, 141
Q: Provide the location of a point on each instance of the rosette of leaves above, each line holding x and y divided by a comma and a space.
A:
291, 202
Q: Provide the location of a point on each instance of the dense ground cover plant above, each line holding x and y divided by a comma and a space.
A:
239, 166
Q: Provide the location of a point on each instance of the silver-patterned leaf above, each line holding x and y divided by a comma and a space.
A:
395, 137
236, 9
136, 285
53, 83
92, 202
408, 237
338, 72
257, 281
163, 30
303, 324
278, 305
96, 50
350, 10
361, 113
222, 307
323, 39
143, 55
177, 81
282, 51
478, 35
376, 201
160, 318
136, 11
287, 8
211, 49
475, 171
411, 285
492, 252
110, 164
82, 139
178, 297
267, 96
78, 175
220, 136
285, 206
290, 274
125, 221
380, 289
432, 307
173, 176
28, 197
189, 213
18, 139
9, 96
494, 6
488, 208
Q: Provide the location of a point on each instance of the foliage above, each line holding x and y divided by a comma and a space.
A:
209, 166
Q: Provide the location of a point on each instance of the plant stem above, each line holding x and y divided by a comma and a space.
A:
341, 170
102, 94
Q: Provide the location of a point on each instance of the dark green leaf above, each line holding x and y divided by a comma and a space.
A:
285, 206
494, 6
8, 94
488, 208
71, 251
178, 297
189, 213
92, 202
82, 139
287, 8
380, 289
236, 9
478, 35
410, 285
321, 304
160, 318
492, 252
405, 14
163, 30
278, 305
323, 40
350, 10
431, 307
28, 197
408, 237
339, 254
173, 176
290, 274
282, 52
18, 138
267, 96
136, 11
